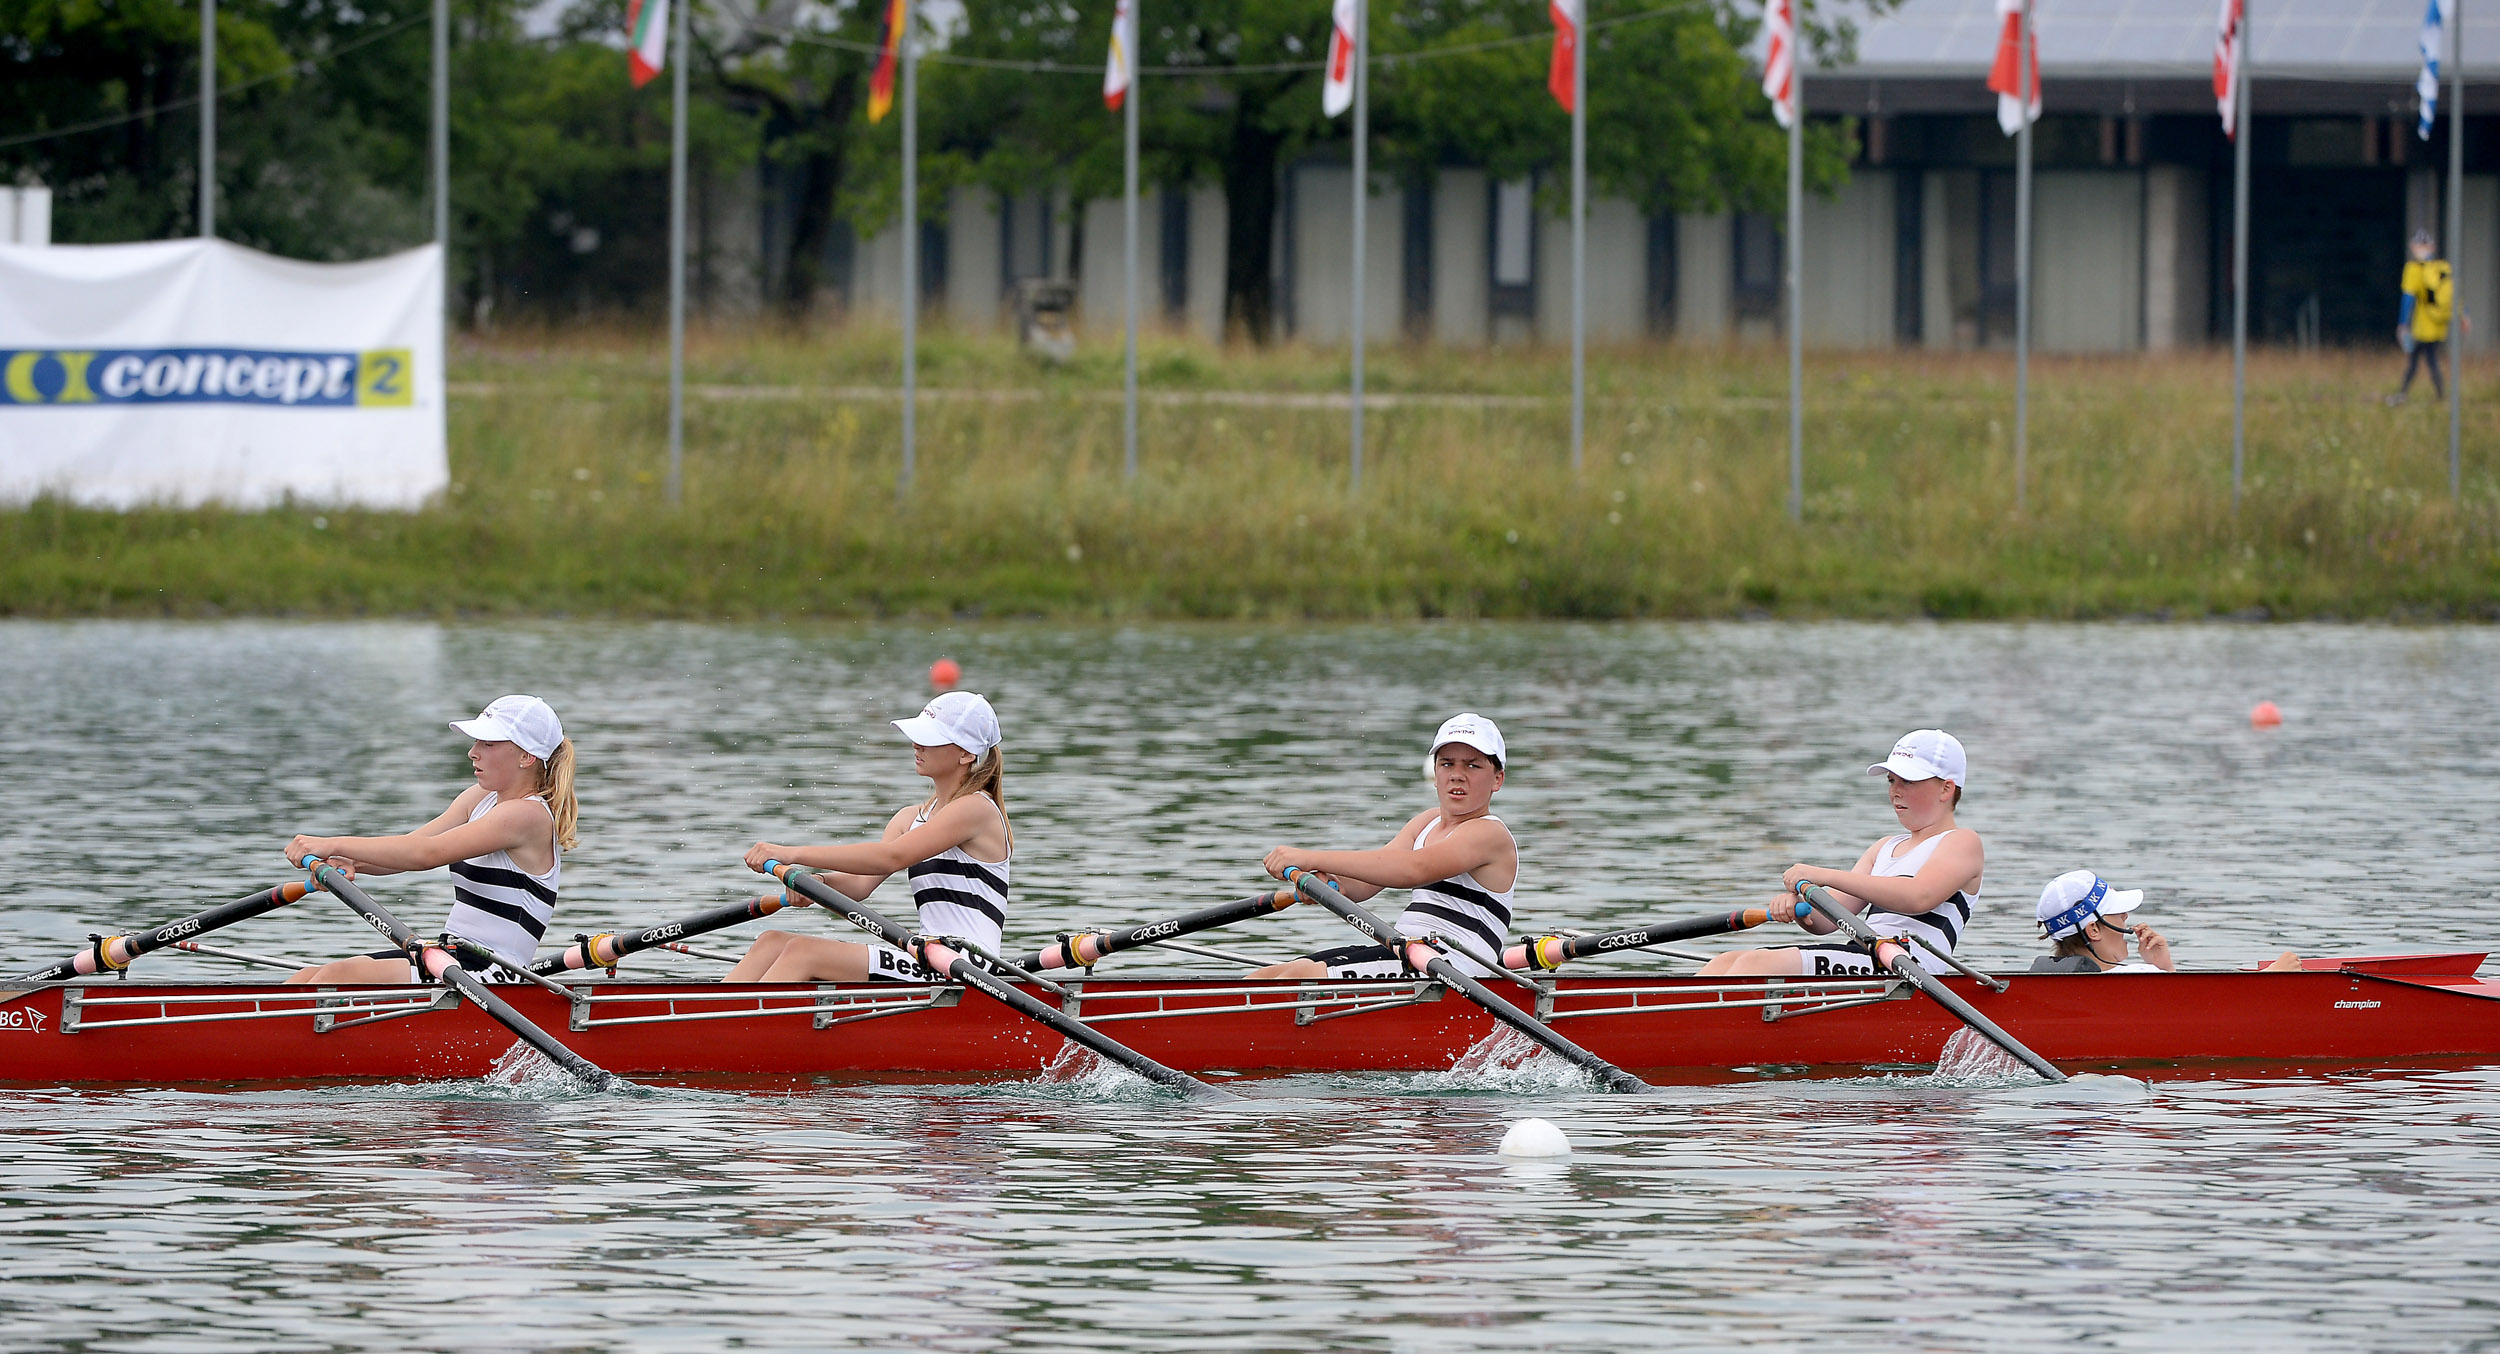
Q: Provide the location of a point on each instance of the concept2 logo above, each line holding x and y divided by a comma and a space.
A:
22, 1019
377, 378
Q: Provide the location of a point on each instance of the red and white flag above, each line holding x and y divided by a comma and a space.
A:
1336, 92
1566, 16
1122, 66
2006, 76
1779, 58
646, 27
889, 47
2227, 63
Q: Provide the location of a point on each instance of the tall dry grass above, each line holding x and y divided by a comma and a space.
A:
1242, 506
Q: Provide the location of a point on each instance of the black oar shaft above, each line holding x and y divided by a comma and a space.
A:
1896, 956
1552, 952
964, 969
607, 948
1088, 948
442, 965
110, 954
1439, 966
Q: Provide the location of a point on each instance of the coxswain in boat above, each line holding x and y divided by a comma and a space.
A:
2090, 923
955, 847
1921, 883
1459, 861
504, 839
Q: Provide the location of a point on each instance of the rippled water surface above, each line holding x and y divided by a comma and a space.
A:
151, 769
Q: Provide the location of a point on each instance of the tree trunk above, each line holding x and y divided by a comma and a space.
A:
1250, 227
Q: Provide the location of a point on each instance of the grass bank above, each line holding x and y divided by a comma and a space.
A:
1241, 508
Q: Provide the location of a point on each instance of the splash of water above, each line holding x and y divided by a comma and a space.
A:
1971, 1057
1078, 1073
1505, 1061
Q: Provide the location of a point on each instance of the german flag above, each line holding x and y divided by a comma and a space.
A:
881, 82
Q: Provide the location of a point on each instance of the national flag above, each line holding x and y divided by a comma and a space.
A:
1336, 91
2426, 85
646, 24
2227, 64
889, 45
1122, 65
1566, 16
2006, 76
1779, 59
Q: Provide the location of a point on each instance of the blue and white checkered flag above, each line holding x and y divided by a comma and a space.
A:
2426, 85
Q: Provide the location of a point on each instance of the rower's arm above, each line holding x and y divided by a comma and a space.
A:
1359, 875
1478, 845
853, 869
1958, 860
503, 828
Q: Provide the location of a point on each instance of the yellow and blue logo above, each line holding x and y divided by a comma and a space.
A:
377, 378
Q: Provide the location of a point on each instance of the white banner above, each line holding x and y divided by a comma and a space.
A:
184, 372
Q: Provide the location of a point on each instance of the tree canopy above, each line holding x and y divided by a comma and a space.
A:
560, 167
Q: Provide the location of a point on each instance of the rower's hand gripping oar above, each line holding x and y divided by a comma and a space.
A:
110, 954
1427, 958
1088, 948
1896, 956
609, 948
1552, 952
963, 968
435, 960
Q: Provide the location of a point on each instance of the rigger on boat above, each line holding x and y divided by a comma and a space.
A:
955, 1005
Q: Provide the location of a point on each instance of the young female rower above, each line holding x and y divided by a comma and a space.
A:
504, 839
1459, 860
955, 846
1922, 882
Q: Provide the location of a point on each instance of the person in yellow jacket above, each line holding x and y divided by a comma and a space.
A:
2430, 295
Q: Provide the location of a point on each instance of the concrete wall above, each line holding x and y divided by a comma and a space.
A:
2176, 272
1101, 282
1323, 257
1618, 274
1935, 261
1849, 268
2088, 261
975, 293
1208, 221
1461, 270
1705, 278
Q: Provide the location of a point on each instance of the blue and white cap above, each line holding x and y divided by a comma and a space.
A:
2078, 896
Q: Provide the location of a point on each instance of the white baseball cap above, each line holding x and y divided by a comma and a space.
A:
958, 717
2078, 896
1925, 754
1476, 732
525, 720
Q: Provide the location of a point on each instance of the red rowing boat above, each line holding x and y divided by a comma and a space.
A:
2396, 1008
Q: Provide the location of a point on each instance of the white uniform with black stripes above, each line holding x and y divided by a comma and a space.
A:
1472, 919
956, 895
1940, 926
497, 903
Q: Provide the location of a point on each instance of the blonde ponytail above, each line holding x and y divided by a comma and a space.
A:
988, 775
555, 785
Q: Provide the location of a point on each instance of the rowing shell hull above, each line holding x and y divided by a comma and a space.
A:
2417, 1008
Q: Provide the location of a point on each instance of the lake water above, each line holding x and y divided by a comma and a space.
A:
153, 768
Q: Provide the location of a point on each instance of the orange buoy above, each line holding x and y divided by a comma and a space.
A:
945, 673
2267, 715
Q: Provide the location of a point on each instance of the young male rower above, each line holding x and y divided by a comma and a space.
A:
1459, 861
2090, 923
1921, 882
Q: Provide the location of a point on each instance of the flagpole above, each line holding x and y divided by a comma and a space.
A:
208, 119
2028, 80
1128, 135
911, 243
442, 133
1795, 246
1579, 232
2241, 132
678, 61
1362, 191
2456, 239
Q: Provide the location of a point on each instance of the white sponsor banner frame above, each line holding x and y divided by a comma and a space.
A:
187, 372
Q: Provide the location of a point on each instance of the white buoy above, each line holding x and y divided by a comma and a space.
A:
1535, 1138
